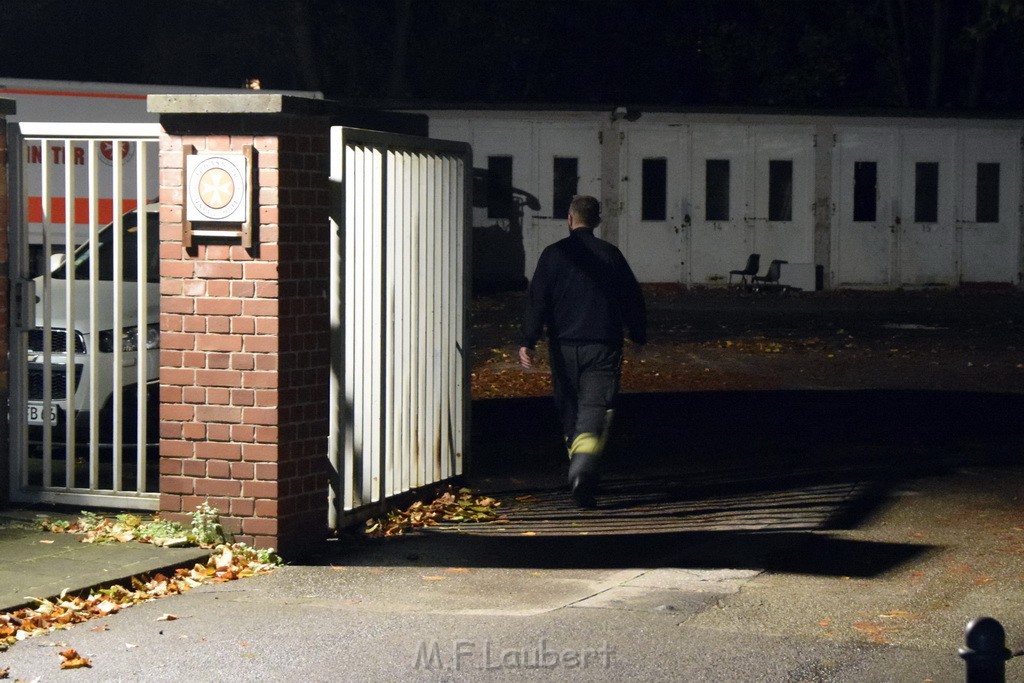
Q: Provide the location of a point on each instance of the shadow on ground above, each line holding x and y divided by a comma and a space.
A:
796, 552
718, 479
729, 432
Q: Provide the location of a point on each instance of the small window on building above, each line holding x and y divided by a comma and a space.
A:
865, 191
654, 190
499, 187
566, 181
926, 192
716, 191
987, 206
780, 190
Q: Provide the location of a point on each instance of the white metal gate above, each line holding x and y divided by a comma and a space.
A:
84, 314
399, 395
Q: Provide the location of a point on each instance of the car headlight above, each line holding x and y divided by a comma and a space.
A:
130, 338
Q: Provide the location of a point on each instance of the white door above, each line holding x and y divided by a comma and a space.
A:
927, 227
568, 158
864, 181
656, 184
720, 238
783, 186
989, 218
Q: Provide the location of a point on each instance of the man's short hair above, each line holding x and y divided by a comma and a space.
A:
586, 209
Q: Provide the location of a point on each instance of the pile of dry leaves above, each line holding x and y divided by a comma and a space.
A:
228, 562
450, 506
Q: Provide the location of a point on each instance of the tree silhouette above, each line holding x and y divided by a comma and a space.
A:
917, 54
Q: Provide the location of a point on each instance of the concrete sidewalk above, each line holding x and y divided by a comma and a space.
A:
41, 564
777, 536
864, 574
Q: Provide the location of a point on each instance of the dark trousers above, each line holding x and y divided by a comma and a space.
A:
585, 378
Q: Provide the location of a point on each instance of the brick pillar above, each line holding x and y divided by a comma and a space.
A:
6, 108
244, 332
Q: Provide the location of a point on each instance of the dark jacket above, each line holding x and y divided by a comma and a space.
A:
584, 291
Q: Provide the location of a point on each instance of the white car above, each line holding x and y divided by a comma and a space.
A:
96, 338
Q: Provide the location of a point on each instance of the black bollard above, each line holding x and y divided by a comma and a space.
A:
985, 652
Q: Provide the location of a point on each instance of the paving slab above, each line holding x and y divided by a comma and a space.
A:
41, 564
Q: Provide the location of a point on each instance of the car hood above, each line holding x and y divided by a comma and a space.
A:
105, 304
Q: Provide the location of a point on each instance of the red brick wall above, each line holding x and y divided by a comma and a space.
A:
244, 346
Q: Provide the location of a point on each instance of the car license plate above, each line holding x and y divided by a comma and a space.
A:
37, 413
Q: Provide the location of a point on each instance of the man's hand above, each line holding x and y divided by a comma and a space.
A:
526, 357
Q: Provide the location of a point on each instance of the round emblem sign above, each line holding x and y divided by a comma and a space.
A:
107, 151
216, 188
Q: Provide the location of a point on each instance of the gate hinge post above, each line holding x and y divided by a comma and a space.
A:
23, 295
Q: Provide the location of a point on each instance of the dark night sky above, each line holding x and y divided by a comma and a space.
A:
799, 53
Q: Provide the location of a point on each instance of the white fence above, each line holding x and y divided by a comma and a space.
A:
399, 396
84, 315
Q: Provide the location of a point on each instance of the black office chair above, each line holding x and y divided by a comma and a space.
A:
771, 278
753, 264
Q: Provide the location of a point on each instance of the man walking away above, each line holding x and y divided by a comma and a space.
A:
584, 292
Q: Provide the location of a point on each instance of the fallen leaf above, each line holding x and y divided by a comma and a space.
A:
4, 672
901, 614
100, 627
46, 541
876, 634
167, 617
67, 611
529, 533
106, 607
825, 623
72, 660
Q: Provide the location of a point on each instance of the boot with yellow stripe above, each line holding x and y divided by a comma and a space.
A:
584, 458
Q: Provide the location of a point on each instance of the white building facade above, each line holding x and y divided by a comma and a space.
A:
864, 202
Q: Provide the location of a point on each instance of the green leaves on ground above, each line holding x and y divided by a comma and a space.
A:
205, 531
